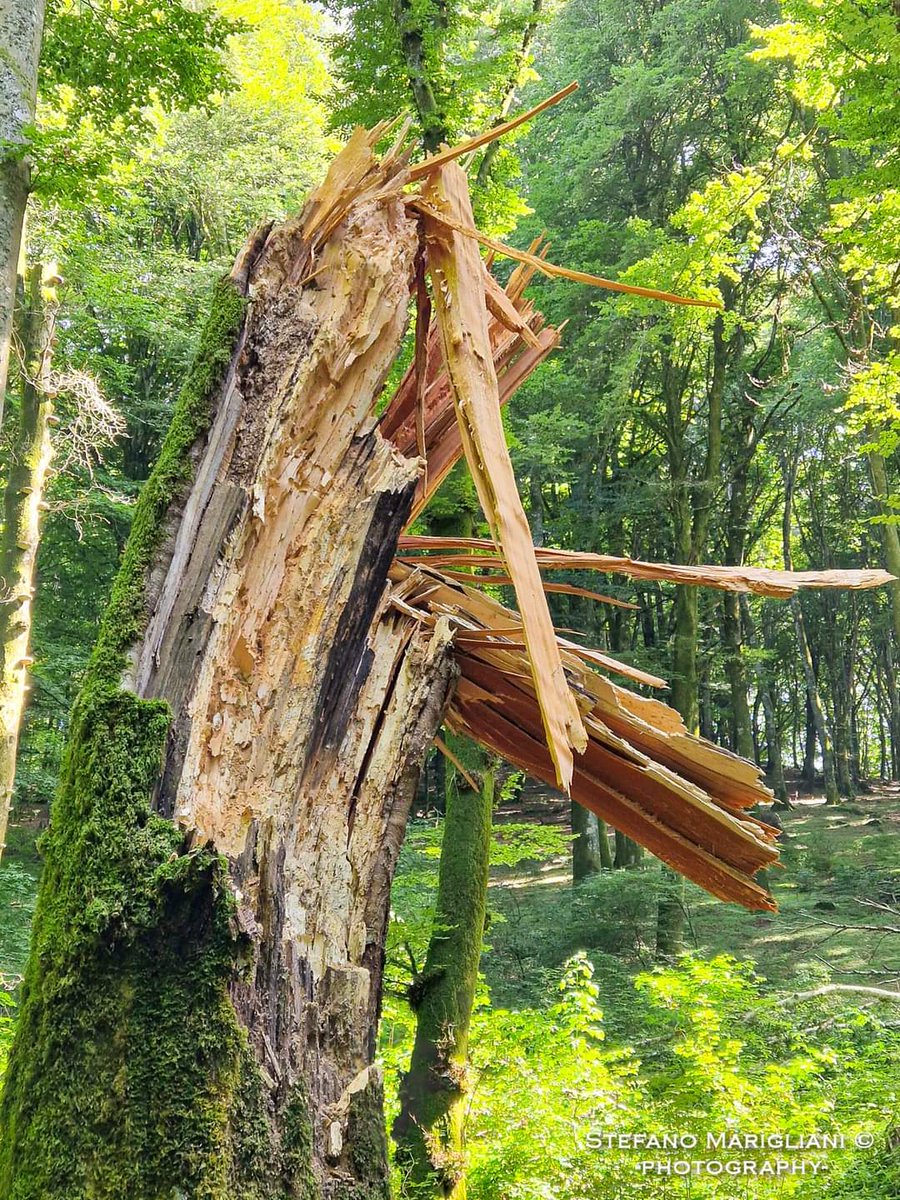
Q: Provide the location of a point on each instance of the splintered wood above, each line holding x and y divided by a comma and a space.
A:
640, 769
426, 395
678, 795
458, 280
306, 665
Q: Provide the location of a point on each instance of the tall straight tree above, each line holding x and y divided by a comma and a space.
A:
21, 30
30, 454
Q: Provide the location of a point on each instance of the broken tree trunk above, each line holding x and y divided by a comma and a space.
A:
200, 1006
30, 451
199, 1013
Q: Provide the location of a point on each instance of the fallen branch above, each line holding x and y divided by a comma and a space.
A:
827, 989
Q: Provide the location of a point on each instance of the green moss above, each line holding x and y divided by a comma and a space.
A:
296, 1146
429, 1129
130, 1075
368, 1141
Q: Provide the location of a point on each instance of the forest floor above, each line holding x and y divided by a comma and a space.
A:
839, 864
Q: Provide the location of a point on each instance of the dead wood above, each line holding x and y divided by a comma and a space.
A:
459, 291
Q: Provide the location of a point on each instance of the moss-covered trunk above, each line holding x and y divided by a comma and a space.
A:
29, 453
199, 1013
429, 1129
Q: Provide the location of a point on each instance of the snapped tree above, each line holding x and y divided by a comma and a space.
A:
200, 1007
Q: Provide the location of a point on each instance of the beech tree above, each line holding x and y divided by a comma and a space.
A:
199, 1011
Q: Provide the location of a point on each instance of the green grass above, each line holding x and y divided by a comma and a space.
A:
833, 859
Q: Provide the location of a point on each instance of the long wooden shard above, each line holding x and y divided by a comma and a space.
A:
437, 161
762, 581
423, 205
459, 292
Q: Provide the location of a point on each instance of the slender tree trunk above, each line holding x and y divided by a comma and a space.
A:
514, 82
685, 690
890, 536
21, 27
434, 1092
774, 754
419, 27
628, 852
841, 699
30, 453
892, 685
741, 723
816, 710
671, 913
200, 1007
809, 741
588, 845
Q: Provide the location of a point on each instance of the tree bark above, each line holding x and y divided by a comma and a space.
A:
30, 453
741, 722
670, 915
434, 1092
417, 24
200, 1008
587, 844
21, 28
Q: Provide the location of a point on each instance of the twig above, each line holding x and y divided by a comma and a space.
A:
451, 757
